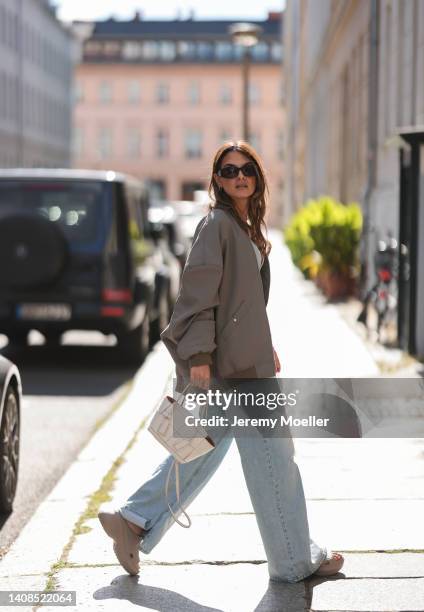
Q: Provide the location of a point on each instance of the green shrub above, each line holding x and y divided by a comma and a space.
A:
324, 235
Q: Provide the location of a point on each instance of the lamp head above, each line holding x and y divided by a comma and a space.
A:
245, 34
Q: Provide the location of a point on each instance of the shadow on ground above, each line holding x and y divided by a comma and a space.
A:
70, 370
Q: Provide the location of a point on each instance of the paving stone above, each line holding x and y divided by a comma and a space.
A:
42, 540
394, 595
367, 524
383, 565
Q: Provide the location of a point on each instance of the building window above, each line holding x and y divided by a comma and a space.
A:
133, 143
13, 97
225, 94
238, 52
92, 48
162, 93
224, 51
193, 143
150, 50
205, 51
224, 136
279, 208
254, 93
188, 189
78, 92
105, 92
156, 188
276, 52
186, 50
387, 70
167, 51
281, 93
3, 95
134, 92
2, 25
255, 141
260, 52
4, 103
132, 50
280, 145
104, 143
78, 141
112, 49
162, 143
194, 93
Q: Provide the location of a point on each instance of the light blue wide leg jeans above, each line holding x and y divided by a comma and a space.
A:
276, 492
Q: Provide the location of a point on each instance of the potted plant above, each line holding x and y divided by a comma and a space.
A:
323, 238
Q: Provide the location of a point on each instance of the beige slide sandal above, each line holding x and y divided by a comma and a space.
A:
126, 542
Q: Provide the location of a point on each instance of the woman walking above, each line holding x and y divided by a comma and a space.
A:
219, 330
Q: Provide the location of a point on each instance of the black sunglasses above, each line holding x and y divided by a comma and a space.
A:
230, 171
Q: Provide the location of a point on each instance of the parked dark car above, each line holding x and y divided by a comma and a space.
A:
162, 214
77, 252
189, 214
10, 418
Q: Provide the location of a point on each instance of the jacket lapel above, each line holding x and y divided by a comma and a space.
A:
265, 271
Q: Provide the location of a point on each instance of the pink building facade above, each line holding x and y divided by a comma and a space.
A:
144, 107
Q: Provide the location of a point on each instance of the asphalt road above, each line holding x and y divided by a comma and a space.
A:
66, 392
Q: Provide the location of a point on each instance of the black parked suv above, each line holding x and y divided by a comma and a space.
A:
77, 252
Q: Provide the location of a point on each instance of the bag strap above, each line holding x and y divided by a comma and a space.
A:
177, 488
176, 465
182, 396
181, 399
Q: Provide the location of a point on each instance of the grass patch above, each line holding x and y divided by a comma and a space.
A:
98, 498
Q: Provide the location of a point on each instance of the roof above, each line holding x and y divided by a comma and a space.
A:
177, 29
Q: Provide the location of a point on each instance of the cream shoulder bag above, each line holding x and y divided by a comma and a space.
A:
168, 414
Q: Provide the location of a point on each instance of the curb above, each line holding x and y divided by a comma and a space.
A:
32, 555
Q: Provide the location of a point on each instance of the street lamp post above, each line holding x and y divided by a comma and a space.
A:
246, 35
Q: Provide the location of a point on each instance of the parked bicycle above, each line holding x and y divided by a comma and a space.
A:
382, 297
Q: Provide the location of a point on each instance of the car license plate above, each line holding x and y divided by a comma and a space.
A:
44, 312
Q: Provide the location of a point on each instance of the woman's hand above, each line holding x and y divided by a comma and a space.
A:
200, 376
276, 361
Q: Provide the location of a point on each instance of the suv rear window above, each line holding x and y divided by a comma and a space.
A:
80, 208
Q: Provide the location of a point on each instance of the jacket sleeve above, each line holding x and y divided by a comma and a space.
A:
200, 359
192, 324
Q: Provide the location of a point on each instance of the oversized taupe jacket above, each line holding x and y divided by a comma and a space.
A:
221, 306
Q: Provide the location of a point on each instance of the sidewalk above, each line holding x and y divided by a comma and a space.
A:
365, 498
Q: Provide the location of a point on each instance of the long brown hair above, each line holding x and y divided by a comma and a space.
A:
257, 202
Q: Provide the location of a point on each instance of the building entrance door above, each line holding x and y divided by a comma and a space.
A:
411, 241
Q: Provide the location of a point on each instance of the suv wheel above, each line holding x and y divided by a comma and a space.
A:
9, 451
135, 344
